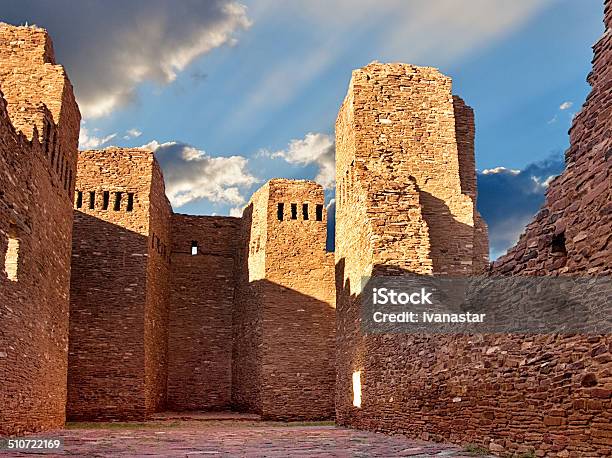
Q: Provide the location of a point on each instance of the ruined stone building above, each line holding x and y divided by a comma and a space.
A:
551, 394
39, 131
197, 312
113, 307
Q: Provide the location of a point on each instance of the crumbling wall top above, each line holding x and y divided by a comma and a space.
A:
30, 43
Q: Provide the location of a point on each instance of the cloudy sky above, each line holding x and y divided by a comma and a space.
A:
231, 93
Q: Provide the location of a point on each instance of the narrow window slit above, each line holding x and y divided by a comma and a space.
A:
305, 211
117, 205
11, 260
319, 211
79, 200
293, 211
92, 200
130, 202
194, 248
280, 211
105, 200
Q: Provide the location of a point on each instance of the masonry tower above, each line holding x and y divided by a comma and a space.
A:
119, 288
39, 130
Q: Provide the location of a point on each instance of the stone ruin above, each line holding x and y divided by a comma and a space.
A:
113, 307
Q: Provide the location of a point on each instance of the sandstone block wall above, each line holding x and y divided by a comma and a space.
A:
158, 293
187, 312
405, 195
201, 307
39, 125
247, 317
465, 134
121, 256
547, 394
290, 282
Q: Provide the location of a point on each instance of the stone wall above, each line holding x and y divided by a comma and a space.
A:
201, 306
405, 195
39, 125
158, 292
247, 317
289, 343
299, 305
121, 254
544, 394
465, 133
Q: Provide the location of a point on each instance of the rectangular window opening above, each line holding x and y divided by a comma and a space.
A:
280, 211
319, 211
130, 202
11, 260
117, 205
293, 211
92, 200
194, 248
558, 244
357, 389
305, 211
105, 200
79, 199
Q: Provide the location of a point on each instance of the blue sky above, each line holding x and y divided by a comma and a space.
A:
228, 92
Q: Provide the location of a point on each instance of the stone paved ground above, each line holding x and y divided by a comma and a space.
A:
250, 439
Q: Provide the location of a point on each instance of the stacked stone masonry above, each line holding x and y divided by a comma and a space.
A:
201, 309
39, 129
284, 332
119, 287
134, 309
514, 394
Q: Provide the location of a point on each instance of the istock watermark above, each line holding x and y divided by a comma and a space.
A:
468, 305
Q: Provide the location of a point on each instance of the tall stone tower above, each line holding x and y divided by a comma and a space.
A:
283, 365
406, 192
119, 288
39, 130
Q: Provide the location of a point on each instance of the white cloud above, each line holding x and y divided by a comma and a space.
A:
192, 174
542, 182
566, 105
508, 199
236, 211
314, 148
500, 170
88, 140
132, 133
111, 47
